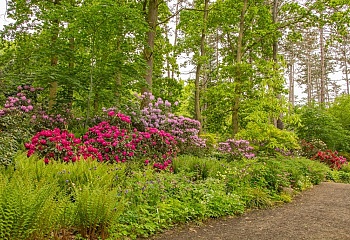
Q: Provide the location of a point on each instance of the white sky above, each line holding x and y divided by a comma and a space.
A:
3, 20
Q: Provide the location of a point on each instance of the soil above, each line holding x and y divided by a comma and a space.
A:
320, 213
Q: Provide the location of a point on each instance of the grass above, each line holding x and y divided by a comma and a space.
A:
91, 199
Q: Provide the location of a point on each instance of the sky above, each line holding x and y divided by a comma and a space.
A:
3, 19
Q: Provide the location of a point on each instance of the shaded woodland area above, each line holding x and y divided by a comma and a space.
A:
246, 58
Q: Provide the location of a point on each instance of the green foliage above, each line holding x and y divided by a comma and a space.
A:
28, 209
318, 124
268, 138
8, 148
339, 176
96, 210
92, 199
210, 141
340, 110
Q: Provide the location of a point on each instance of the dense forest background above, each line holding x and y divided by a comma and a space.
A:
246, 58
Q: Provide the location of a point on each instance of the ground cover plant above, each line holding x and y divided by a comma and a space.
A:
111, 201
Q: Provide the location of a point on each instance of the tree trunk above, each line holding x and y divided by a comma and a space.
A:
71, 70
238, 79
54, 60
291, 83
197, 109
279, 123
151, 19
175, 36
309, 83
346, 65
118, 80
322, 79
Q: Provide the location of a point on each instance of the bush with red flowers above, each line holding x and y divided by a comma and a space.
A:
55, 145
107, 143
331, 158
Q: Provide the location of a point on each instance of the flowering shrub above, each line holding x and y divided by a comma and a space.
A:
20, 103
331, 158
158, 114
31, 114
107, 143
237, 149
310, 149
55, 144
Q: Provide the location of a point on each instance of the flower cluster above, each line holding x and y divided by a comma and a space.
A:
331, 158
157, 114
310, 149
55, 144
237, 149
29, 109
107, 143
284, 152
18, 103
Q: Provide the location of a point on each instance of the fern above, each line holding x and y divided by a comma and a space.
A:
96, 209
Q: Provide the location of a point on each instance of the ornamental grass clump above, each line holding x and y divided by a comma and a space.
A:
236, 149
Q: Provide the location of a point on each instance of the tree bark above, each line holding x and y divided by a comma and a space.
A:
71, 70
309, 82
279, 123
197, 109
291, 83
175, 36
346, 65
238, 79
151, 19
322, 79
54, 60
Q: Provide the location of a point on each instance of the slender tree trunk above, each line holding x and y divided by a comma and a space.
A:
279, 123
151, 18
118, 79
197, 109
71, 70
346, 66
175, 36
217, 53
322, 79
291, 83
309, 83
167, 54
54, 60
96, 102
238, 79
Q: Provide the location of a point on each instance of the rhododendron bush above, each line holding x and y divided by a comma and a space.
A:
237, 149
107, 143
158, 114
331, 158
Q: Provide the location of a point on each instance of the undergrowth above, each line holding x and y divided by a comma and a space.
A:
113, 201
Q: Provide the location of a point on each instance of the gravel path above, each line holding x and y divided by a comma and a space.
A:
321, 213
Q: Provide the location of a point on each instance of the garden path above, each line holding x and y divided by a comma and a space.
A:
321, 213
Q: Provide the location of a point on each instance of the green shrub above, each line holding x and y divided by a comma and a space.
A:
267, 138
318, 124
